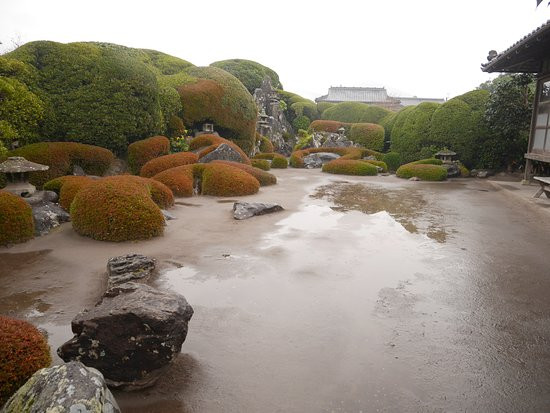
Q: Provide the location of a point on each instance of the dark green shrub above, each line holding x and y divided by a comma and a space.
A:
322, 106
217, 96
305, 108
375, 114
23, 351
411, 131
141, 152
250, 73
265, 144
427, 161
368, 135
426, 172
393, 160
116, 209
350, 167
162, 163
292, 109
350, 112
262, 164
301, 122
16, 222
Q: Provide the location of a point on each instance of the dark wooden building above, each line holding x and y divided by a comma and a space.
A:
531, 54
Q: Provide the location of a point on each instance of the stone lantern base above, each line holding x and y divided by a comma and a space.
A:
20, 188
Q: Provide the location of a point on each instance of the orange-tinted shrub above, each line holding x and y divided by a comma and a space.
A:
70, 188
160, 193
327, 125
262, 164
23, 351
116, 209
278, 161
162, 163
211, 142
16, 222
62, 156
265, 144
263, 177
140, 152
178, 179
350, 167
226, 180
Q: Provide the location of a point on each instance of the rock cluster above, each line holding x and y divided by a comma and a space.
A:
47, 214
316, 160
245, 210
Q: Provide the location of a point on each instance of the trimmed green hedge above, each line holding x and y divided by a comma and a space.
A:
263, 164
426, 172
368, 135
250, 73
380, 164
393, 160
263, 177
355, 112
350, 167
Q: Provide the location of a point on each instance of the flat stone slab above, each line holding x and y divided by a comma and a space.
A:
129, 267
245, 210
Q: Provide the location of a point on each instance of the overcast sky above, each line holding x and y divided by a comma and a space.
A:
430, 48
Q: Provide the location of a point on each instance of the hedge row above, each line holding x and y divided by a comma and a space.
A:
16, 222
355, 112
426, 172
141, 152
61, 158
368, 135
23, 351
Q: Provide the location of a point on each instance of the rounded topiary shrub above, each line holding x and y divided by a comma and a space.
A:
265, 144
263, 164
278, 161
16, 222
23, 351
426, 172
211, 142
331, 126
160, 193
393, 160
380, 164
178, 179
369, 135
162, 163
263, 177
70, 188
350, 167
140, 152
116, 209
250, 73
428, 161
61, 158
225, 180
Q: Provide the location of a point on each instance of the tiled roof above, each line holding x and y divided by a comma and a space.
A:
357, 94
523, 56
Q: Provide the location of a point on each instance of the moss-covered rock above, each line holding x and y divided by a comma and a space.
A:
215, 95
16, 222
141, 152
23, 351
350, 167
162, 163
250, 73
116, 209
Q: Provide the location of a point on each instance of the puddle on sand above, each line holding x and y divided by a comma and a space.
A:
187, 204
19, 260
226, 201
25, 303
406, 206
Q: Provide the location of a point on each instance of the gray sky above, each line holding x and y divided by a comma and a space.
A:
428, 48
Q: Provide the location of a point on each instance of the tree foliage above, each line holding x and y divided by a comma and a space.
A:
250, 73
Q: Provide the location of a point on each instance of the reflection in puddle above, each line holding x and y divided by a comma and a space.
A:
24, 303
226, 201
187, 204
406, 206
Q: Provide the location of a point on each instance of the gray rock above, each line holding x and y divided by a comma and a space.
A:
316, 160
335, 140
452, 170
245, 210
131, 335
129, 267
414, 178
369, 158
224, 152
67, 388
167, 215
48, 215
39, 197
78, 171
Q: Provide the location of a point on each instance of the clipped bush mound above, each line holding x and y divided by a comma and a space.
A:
61, 158
162, 163
211, 142
368, 135
141, 152
16, 222
393, 160
278, 161
331, 126
350, 167
70, 188
380, 164
297, 157
426, 172
265, 144
116, 209
160, 193
428, 161
179, 180
263, 177
23, 351
355, 112
250, 73
219, 97
262, 164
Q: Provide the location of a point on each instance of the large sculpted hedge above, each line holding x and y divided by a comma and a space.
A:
16, 222
23, 351
250, 73
368, 135
426, 172
215, 95
355, 112
61, 158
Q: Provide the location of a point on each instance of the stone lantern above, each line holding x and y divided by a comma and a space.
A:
208, 128
342, 131
445, 155
17, 170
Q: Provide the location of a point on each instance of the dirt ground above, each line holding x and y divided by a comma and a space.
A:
368, 294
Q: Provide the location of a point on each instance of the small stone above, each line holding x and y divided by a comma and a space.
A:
414, 178
70, 387
167, 215
245, 210
78, 171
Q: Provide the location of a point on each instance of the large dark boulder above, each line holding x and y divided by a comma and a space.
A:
131, 335
224, 152
47, 216
70, 387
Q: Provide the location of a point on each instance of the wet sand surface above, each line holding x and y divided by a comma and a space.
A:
365, 294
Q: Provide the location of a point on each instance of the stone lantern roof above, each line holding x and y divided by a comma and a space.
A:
446, 152
18, 164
